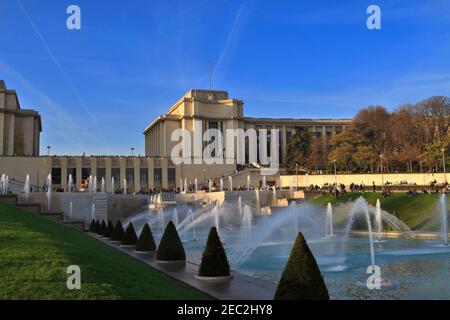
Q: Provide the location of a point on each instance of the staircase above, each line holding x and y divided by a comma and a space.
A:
35, 208
101, 206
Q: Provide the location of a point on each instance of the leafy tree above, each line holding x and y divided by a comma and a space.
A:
301, 278
297, 148
146, 242
214, 260
170, 248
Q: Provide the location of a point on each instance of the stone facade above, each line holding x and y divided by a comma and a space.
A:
19, 128
199, 110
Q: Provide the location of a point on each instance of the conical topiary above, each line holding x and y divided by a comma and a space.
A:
102, 230
97, 226
170, 248
129, 238
146, 242
118, 232
214, 260
92, 226
301, 278
109, 229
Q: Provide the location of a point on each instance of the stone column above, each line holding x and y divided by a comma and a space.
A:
164, 175
63, 163
137, 174
151, 172
108, 174
123, 166
93, 167
283, 145
78, 168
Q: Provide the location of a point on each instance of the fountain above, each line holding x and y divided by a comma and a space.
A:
161, 217
4, 181
69, 183
93, 210
230, 183
443, 216
70, 210
124, 186
191, 215
26, 188
196, 185
258, 204
274, 195
215, 214
247, 221
113, 185
90, 184
264, 183
360, 206
329, 221
94, 184
248, 182
378, 220
209, 185
103, 184
175, 217
240, 207
181, 185
221, 184
49, 191
185, 185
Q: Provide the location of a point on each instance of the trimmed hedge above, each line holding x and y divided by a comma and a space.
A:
102, 230
146, 242
92, 226
118, 232
170, 248
129, 238
301, 278
109, 229
214, 259
97, 226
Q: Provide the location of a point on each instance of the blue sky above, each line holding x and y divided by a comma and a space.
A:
97, 88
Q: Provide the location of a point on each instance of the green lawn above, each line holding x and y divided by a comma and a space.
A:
35, 253
418, 212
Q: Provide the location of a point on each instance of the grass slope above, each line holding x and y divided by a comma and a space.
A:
36, 252
418, 212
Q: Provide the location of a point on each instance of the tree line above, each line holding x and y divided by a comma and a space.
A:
412, 138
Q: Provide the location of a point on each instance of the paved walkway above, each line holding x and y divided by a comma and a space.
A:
240, 287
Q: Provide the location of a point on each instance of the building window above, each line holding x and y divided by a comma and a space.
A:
157, 174
171, 177
143, 174
129, 175
115, 173
101, 173
56, 176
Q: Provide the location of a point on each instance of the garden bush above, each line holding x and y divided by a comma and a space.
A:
118, 232
170, 248
146, 242
301, 278
214, 260
129, 238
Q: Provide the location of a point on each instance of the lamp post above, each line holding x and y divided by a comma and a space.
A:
48, 150
335, 173
382, 177
443, 164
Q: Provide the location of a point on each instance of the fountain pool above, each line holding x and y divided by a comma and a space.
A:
259, 246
